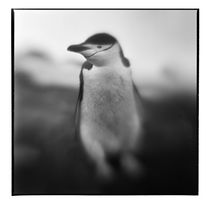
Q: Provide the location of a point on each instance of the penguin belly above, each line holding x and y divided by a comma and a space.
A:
109, 123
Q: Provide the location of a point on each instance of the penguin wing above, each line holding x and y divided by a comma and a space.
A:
88, 66
138, 99
79, 99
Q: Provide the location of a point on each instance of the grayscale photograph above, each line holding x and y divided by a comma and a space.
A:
105, 101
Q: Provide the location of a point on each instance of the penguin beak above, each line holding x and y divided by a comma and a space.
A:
77, 48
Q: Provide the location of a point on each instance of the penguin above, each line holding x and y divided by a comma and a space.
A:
108, 120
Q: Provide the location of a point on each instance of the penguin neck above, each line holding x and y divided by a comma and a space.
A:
112, 62
115, 67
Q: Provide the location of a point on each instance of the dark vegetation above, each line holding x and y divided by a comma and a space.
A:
48, 159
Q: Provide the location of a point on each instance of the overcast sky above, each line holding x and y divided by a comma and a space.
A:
152, 40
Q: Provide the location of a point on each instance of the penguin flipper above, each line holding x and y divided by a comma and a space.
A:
86, 65
139, 103
78, 103
137, 95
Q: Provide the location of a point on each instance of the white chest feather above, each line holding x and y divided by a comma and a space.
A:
108, 110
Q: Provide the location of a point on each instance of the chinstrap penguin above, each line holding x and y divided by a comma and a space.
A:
107, 116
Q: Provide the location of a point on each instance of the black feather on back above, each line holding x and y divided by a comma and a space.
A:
125, 61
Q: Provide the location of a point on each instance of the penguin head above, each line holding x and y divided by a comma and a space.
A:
100, 50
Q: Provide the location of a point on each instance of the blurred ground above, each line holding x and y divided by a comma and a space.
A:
48, 159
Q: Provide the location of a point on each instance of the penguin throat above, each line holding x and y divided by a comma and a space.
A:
110, 62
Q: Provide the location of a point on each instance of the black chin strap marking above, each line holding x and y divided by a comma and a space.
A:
100, 51
124, 60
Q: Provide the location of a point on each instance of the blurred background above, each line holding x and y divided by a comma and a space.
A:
161, 46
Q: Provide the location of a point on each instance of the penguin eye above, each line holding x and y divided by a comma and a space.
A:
99, 46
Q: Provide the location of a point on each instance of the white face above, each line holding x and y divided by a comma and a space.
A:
100, 55
94, 49
97, 54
